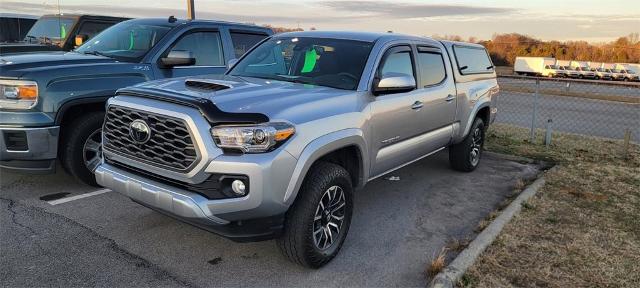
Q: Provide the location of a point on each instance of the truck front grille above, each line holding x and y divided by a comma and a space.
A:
169, 145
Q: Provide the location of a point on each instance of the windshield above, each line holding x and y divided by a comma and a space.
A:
52, 30
126, 41
553, 67
333, 63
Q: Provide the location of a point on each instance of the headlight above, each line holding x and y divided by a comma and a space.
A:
252, 138
18, 94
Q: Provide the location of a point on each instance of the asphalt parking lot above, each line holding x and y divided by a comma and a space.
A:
107, 240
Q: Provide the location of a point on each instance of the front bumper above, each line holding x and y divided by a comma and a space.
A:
31, 150
191, 207
255, 216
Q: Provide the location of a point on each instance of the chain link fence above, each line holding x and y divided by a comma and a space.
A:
595, 108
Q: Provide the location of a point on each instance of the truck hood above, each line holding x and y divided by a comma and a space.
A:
277, 99
16, 66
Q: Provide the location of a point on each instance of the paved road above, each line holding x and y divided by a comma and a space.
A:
575, 115
107, 240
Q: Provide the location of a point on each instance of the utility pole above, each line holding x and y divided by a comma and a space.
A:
191, 11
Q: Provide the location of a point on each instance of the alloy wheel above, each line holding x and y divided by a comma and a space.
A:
476, 146
329, 218
92, 150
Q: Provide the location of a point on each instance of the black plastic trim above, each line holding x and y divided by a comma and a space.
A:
210, 111
251, 230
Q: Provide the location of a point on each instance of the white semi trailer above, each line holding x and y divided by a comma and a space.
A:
532, 66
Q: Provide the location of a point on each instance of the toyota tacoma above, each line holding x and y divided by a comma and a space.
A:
276, 147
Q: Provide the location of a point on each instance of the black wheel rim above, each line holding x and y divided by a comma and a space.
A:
476, 146
92, 150
329, 218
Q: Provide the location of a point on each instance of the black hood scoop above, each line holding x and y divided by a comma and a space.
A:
206, 85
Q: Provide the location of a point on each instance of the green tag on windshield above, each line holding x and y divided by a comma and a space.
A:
310, 58
63, 31
131, 40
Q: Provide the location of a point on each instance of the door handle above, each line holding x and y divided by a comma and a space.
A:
450, 98
417, 105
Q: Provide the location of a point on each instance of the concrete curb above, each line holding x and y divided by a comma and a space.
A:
448, 277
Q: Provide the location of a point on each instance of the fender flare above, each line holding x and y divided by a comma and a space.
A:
482, 103
322, 146
75, 102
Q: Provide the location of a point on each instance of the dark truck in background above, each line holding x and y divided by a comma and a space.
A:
14, 27
60, 33
52, 104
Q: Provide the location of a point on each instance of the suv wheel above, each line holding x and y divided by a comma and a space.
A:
82, 147
465, 156
317, 223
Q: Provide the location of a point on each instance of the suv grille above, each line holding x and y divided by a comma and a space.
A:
169, 146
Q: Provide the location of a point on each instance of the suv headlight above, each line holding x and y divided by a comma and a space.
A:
252, 138
18, 94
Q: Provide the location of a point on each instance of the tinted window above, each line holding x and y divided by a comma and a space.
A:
126, 41
205, 46
473, 60
399, 62
93, 28
50, 29
327, 62
242, 42
432, 69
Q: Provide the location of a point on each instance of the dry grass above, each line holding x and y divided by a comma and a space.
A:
437, 263
582, 229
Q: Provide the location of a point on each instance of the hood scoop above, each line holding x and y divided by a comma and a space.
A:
207, 85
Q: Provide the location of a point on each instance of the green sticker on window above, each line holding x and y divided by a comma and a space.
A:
63, 31
310, 59
131, 40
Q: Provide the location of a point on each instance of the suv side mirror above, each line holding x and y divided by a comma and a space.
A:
80, 39
177, 58
394, 83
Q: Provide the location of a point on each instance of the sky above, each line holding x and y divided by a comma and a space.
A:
588, 20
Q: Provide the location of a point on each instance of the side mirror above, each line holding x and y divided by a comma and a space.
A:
80, 39
177, 58
232, 63
394, 83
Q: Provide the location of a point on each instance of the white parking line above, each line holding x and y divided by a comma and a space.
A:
72, 198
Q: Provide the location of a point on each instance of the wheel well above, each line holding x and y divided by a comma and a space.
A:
350, 159
485, 115
75, 111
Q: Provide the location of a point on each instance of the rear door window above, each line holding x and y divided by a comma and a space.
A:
243, 41
432, 69
472, 60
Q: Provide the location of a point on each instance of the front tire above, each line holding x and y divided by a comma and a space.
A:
465, 156
82, 148
317, 223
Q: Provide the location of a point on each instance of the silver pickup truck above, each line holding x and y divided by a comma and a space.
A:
277, 146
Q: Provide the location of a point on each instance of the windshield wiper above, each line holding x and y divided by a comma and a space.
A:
294, 79
96, 53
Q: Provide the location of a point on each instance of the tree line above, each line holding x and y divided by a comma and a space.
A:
504, 48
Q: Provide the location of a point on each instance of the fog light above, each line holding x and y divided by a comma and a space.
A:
238, 187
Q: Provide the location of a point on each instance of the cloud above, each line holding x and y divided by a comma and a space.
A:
411, 10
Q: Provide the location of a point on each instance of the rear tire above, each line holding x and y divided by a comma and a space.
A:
465, 156
82, 147
316, 216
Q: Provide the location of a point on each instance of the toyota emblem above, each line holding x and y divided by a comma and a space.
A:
139, 131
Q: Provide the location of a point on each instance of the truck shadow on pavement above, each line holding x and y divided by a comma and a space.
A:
397, 227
